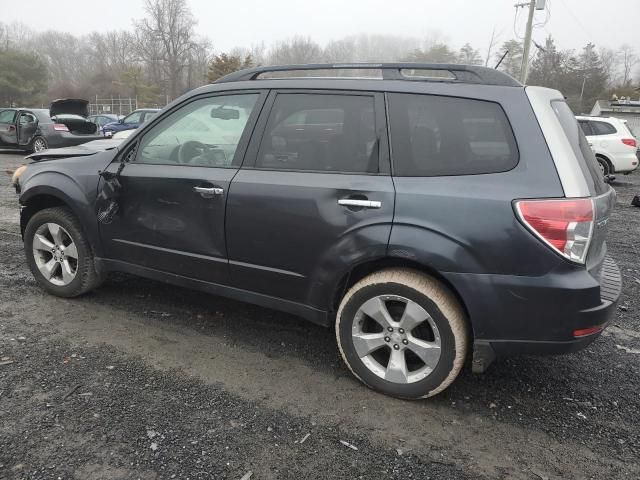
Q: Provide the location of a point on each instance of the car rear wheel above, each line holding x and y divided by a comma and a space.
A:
604, 166
402, 333
39, 144
59, 254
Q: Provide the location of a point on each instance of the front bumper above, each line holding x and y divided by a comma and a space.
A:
538, 315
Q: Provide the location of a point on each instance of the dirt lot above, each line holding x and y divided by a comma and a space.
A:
143, 380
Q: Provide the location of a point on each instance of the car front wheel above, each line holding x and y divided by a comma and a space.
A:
402, 333
59, 254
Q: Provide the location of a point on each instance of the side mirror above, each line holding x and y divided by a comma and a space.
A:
225, 113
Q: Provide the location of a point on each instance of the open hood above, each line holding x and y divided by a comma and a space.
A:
74, 106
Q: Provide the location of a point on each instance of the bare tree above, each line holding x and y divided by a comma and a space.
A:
170, 25
610, 63
295, 50
628, 59
492, 43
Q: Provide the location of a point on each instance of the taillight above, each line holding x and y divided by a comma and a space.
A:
564, 225
630, 141
60, 127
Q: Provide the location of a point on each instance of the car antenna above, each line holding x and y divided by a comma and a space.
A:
501, 59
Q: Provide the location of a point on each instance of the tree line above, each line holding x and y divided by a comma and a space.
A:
161, 57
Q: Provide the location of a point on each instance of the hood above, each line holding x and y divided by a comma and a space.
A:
75, 106
84, 150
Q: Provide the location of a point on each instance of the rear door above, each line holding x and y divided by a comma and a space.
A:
172, 206
27, 126
8, 128
314, 195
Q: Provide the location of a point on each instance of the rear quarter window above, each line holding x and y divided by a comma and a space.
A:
602, 128
437, 135
579, 145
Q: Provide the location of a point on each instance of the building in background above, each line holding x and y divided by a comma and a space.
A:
622, 108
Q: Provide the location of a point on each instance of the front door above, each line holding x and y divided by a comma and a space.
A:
172, 206
314, 196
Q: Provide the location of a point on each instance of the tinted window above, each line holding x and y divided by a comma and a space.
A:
202, 133
27, 117
334, 133
7, 116
602, 128
586, 127
580, 145
434, 135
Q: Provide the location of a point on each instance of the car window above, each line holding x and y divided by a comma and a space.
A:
134, 117
602, 128
579, 145
7, 116
586, 127
320, 132
435, 135
26, 117
205, 132
148, 116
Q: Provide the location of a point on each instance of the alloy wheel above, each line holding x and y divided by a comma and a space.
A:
55, 254
396, 339
39, 145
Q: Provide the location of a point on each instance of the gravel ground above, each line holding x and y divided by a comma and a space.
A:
144, 380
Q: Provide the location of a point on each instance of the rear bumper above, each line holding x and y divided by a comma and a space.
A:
625, 163
65, 139
539, 315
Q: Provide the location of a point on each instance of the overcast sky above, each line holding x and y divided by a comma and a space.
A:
572, 23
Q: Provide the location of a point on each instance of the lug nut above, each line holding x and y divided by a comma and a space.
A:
401, 330
387, 339
396, 346
405, 341
390, 329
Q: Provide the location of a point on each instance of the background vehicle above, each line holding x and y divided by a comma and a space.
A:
36, 129
615, 146
131, 121
103, 119
421, 216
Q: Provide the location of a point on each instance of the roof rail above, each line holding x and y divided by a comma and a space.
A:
390, 71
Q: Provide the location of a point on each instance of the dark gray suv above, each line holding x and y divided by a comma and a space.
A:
435, 214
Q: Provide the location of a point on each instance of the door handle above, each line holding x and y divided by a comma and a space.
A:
352, 202
208, 192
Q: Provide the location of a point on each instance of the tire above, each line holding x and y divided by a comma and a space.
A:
445, 326
38, 144
59, 272
604, 166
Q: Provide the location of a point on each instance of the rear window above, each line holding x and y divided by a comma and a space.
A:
435, 135
580, 145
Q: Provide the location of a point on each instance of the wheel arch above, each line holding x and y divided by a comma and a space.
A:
361, 270
58, 191
608, 160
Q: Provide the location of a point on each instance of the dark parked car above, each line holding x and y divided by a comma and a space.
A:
36, 129
131, 121
439, 212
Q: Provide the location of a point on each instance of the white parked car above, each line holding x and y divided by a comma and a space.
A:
613, 143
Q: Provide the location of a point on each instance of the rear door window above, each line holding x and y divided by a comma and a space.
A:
320, 132
580, 145
436, 135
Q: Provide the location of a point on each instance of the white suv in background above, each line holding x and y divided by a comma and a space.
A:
613, 143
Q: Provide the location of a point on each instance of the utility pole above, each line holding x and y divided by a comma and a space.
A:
524, 70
